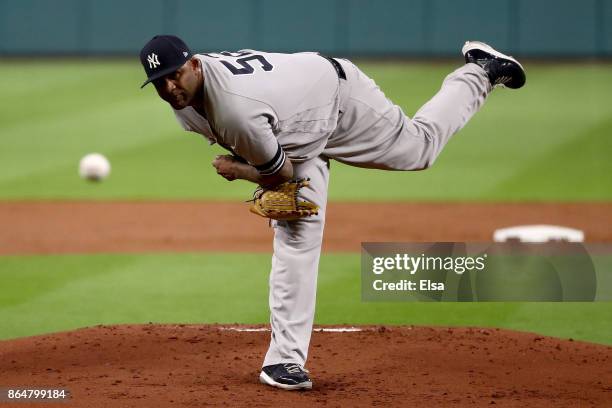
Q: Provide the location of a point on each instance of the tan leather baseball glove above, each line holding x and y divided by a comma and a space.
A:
282, 203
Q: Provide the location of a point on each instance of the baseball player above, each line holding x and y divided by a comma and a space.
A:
284, 117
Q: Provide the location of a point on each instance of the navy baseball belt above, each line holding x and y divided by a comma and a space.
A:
337, 67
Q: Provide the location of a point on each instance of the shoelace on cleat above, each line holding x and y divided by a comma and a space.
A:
502, 80
293, 368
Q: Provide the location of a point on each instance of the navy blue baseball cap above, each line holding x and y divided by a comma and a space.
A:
163, 55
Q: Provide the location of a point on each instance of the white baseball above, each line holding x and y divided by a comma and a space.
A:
94, 167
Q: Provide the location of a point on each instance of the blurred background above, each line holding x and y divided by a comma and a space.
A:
70, 80
69, 85
403, 28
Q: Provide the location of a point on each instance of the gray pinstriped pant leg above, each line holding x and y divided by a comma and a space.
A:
295, 264
373, 132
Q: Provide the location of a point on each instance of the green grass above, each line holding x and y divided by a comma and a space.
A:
549, 141
41, 294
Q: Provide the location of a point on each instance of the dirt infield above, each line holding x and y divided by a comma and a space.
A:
73, 227
192, 366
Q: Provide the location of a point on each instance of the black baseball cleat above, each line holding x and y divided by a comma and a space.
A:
288, 376
502, 70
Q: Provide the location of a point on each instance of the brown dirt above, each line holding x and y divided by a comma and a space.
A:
193, 366
189, 366
72, 227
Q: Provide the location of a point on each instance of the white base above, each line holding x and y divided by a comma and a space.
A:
538, 234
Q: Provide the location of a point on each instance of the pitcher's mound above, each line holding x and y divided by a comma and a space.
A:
194, 366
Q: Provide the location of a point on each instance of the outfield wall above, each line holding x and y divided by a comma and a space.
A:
545, 28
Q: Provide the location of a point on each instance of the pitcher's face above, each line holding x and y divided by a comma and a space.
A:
180, 87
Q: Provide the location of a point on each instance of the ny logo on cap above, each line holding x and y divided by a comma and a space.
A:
153, 61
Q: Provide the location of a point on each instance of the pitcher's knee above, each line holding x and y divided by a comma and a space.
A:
428, 147
421, 154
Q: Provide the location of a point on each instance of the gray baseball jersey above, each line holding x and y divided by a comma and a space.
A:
257, 102
266, 106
